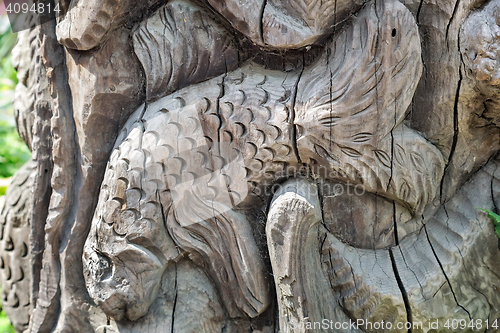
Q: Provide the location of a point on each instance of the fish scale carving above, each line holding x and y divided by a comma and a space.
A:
149, 173
191, 162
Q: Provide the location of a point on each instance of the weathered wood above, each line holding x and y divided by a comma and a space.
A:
260, 166
42, 146
182, 44
15, 221
293, 239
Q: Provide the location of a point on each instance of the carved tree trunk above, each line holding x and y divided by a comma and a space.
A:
258, 166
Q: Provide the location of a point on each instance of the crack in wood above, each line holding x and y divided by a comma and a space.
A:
395, 222
175, 301
404, 294
293, 126
444, 272
418, 11
413, 272
261, 21
455, 9
493, 200
456, 130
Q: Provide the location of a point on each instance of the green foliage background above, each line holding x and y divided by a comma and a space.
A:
495, 219
5, 325
13, 152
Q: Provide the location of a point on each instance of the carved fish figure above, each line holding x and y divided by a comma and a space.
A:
183, 163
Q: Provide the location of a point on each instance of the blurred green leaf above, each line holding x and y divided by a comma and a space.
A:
5, 325
495, 218
13, 151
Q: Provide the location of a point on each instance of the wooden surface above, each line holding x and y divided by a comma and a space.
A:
257, 166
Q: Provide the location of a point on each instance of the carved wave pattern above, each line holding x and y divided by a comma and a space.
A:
182, 44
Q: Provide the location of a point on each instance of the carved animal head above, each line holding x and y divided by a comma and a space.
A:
349, 118
372, 69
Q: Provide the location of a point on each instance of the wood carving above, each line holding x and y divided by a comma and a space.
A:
15, 220
258, 166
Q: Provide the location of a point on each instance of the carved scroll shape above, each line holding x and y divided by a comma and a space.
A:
433, 260
182, 44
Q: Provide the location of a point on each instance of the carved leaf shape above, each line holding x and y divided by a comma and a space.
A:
405, 190
325, 154
418, 162
350, 152
383, 157
400, 155
329, 121
362, 137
